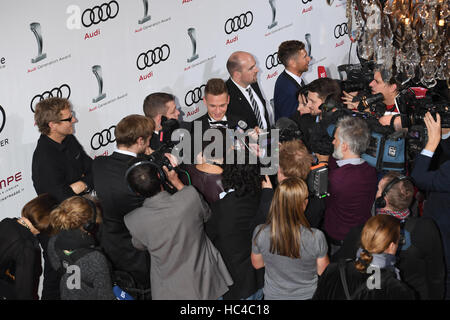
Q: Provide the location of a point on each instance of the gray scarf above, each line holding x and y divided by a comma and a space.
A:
382, 261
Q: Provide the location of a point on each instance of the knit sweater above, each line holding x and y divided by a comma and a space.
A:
352, 191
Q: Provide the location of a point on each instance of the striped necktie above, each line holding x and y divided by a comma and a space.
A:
255, 107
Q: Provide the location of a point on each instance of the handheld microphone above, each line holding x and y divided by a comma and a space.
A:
321, 72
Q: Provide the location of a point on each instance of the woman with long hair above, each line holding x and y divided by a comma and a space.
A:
372, 276
292, 252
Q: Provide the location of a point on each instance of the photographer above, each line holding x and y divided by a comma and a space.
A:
185, 263
160, 107
389, 88
436, 183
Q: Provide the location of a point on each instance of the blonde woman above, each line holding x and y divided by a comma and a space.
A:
75, 221
375, 259
292, 252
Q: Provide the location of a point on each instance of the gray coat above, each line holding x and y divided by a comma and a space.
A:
185, 263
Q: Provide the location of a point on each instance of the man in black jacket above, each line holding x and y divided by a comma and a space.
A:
436, 183
246, 100
60, 166
132, 137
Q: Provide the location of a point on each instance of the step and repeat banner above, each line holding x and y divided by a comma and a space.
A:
106, 57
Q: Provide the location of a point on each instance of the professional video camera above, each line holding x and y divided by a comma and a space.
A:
416, 106
386, 150
358, 76
165, 142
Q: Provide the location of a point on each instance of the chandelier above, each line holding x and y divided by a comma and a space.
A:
409, 38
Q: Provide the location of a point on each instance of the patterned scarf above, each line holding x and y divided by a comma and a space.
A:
401, 215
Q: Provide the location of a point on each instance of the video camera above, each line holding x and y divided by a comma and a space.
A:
358, 76
415, 107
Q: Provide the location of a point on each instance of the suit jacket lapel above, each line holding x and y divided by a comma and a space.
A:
292, 79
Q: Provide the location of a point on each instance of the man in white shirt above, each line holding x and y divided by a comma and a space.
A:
292, 54
246, 100
132, 137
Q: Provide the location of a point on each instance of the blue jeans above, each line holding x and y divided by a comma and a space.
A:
258, 295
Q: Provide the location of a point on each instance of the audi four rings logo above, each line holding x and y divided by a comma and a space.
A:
100, 13
153, 56
340, 30
2, 118
306, 1
62, 92
238, 22
272, 61
103, 138
194, 96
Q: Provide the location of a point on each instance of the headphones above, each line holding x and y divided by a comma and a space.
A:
380, 202
162, 175
91, 225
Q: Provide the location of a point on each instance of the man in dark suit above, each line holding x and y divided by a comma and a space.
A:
132, 137
217, 100
436, 183
295, 59
246, 100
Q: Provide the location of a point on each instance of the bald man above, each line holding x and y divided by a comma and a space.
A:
246, 100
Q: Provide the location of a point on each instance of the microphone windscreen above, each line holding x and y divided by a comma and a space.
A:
242, 124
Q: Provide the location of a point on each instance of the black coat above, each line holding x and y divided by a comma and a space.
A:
20, 256
56, 166
239, 106
420, 259
330, 286
117, 200
230, 228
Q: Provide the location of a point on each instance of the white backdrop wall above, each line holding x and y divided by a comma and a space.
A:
72, 45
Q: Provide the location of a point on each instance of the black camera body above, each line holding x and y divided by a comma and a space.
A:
358, 76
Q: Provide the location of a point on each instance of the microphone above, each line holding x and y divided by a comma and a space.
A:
321, 72
242, 125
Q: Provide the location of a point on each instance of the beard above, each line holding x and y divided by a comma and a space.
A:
337, 153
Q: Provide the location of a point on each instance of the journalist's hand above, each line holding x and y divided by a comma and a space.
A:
266, 184
347, 100
434, 131
302, 108
172, 176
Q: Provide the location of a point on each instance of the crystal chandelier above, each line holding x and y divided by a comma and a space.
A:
409, 38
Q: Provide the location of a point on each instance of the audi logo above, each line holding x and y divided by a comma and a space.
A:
306, 1
62, 92
194, 96
272, 61
2, 118
103, 138
100, 13
340, 30
157, 55
238, 22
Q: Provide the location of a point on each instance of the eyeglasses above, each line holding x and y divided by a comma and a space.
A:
69, 119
